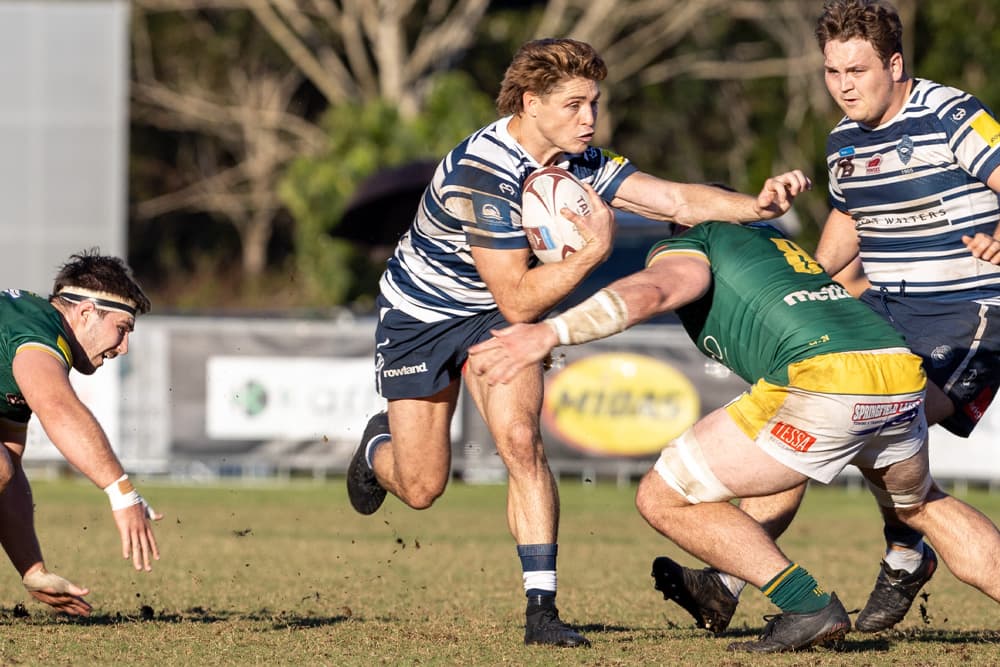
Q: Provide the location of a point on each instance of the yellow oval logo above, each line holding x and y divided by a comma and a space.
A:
619, 404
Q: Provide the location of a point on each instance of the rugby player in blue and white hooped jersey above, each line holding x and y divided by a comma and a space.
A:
465, 267
914, 172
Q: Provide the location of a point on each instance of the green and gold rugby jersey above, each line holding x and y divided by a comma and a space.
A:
26, 321
770, 303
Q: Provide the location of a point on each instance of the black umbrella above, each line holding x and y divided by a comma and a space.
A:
383, 206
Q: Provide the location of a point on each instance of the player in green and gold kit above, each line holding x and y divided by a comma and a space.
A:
832, 384
87, 319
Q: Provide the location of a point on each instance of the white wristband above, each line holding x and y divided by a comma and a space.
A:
122, 494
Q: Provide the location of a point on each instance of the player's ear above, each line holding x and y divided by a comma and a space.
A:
530, 101
86, 309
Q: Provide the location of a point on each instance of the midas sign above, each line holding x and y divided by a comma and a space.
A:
619, 404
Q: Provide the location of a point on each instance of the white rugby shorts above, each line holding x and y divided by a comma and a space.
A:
862, 408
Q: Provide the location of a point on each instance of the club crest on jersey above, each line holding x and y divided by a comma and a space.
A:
490, 208
904, 149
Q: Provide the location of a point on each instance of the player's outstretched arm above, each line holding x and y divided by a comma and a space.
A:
667, 284
19, 540
78, 436
58, 592
776, 197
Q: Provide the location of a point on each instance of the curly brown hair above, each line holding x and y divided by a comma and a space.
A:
874, 21
102, 273
541, 65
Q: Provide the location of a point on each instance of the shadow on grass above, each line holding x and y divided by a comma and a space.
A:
855, 642
279, 620
884, 640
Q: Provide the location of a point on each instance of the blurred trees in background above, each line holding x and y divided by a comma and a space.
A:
255, 121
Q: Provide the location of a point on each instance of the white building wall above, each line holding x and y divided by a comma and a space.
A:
63, 133
63, 155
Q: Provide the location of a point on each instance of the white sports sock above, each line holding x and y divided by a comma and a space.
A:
899, 557
734, 584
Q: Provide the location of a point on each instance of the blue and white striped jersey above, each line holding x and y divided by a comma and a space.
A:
474, 199
914, 186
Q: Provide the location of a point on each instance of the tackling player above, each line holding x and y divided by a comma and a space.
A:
832, 384
914, 174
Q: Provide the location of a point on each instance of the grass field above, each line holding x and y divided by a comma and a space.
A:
289, 575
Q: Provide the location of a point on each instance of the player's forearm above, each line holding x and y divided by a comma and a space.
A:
544, 286
79, 437
17, 524
702, 203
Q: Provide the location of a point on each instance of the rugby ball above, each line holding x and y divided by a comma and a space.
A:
546, 192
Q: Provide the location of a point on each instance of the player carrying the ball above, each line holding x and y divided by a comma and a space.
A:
465, 267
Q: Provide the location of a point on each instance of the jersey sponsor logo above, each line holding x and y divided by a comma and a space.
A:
958, 115
847, 151
793, 436
987, 128
874, 165
932, 218
868, 411
941, 356
845, 167
611, 156
977, 407
828, 293
15, 399
13, 293
710, 346
539, 238
873, 417
507, 189
405, 370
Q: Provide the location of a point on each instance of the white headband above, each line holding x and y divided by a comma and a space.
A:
103, 300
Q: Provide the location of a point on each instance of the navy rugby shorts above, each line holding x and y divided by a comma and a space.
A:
415, 359
959, 343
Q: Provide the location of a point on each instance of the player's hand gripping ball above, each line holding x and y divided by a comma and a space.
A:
546, 192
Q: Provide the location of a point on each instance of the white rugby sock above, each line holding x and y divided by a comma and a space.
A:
899, 557
734, 584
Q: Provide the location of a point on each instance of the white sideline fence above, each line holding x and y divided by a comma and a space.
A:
199, 398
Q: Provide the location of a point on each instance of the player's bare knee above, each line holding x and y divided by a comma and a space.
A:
652, 498
521, 448
418, 496
419, 492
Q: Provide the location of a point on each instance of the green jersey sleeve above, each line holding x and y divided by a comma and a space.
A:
26, 321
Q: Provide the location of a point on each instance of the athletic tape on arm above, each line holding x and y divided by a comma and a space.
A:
122, 494
38, 580
600, 316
